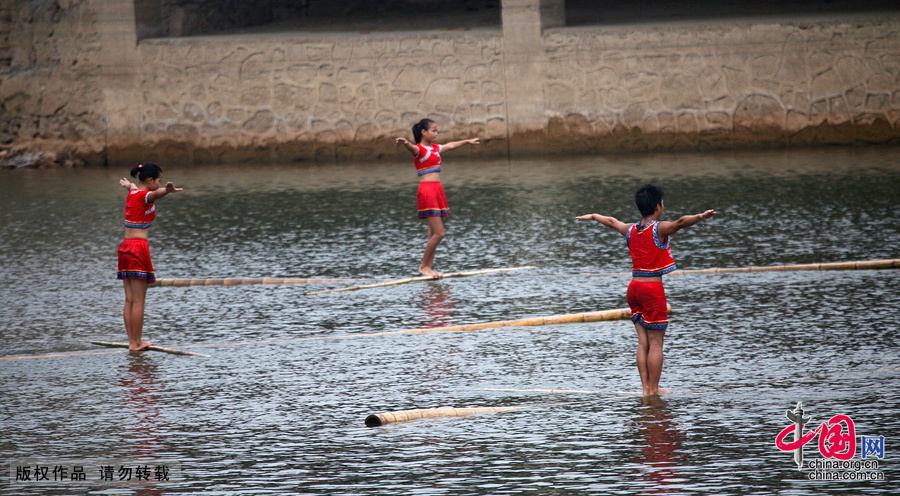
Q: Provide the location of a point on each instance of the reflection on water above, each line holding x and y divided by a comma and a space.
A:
287, 417
661, 442
142, 392
140, 384
437, 304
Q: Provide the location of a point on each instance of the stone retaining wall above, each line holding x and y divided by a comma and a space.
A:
79, 85
789, 83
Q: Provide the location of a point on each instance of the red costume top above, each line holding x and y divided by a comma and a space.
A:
650, 257
139, 213
428, 159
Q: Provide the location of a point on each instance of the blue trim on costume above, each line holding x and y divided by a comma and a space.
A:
653, 273
138, 225
656, 240
130, 274
650, 327
422, 172
433, 213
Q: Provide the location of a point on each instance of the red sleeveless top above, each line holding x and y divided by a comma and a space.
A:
650, 256
428, 160
139, 213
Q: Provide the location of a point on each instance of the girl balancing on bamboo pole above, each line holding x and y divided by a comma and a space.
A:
135, 266
431, 197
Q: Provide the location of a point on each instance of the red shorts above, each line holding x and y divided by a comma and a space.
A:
432, 200
134, 260
647, 300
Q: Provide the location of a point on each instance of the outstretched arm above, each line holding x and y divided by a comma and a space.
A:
610, 222
457, 144
667, 228
161, 192
128, 185
409, 146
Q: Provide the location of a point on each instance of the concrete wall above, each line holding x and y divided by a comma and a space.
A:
80, 85
51, 101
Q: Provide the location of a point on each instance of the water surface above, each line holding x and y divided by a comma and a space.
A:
287, 417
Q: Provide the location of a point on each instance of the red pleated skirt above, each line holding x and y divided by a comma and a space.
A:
432, 200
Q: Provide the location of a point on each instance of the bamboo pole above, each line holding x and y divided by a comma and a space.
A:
58, 355
571, 318
419, 278
379, 419
889, 263
173, 351
241, 281
580, 391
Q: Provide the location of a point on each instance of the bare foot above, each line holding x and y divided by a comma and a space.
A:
144, 345
658, 391
428, 271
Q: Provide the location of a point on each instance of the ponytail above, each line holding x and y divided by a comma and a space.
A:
419, 127
146, 171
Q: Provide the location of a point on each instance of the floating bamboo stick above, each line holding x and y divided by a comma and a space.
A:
419, 278
571, 318
152, 348
379, 419
581, 391
58, 355
889, 263
241, 281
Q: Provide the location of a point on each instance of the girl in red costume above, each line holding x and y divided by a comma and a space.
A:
431, 198
651, 258
135, 266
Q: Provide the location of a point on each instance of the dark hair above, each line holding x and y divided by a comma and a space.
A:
146, 171
419, 127
647, 198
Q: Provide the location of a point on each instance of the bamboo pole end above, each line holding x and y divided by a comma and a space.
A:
374, 420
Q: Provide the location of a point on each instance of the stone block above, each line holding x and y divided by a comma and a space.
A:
737, 80
880, 82
194, 112
328, 93
759, 113
183, 132
680, 92
405, 99
262, 122
255, 96
445, 92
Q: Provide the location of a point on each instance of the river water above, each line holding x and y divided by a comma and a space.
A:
287, 416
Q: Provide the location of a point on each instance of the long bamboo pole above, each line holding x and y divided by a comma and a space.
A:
419, 278
379, 419
571, 318
241, 281
173, 351
889, 263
